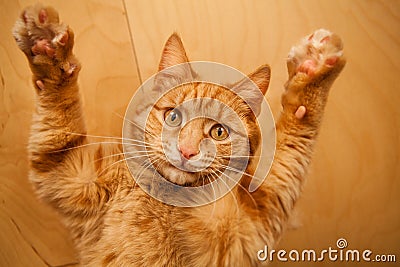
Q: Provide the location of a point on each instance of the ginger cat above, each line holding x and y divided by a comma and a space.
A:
113, 222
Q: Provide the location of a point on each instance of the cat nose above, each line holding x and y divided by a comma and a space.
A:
188, 152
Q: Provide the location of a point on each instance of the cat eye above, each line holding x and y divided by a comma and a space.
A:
219, 132
173, 117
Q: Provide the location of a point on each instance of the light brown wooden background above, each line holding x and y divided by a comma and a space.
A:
353, 190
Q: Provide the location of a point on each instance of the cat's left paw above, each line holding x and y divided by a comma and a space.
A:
316, 54
48, 44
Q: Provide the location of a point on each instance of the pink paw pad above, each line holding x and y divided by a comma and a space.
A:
331, 61
309, 67
25, 17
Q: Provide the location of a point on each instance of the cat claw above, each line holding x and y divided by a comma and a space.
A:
69, 68
42, 16
60, 39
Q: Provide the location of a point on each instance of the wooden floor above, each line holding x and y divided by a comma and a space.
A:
353, 190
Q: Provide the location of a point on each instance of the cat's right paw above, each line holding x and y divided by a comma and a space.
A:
47, 43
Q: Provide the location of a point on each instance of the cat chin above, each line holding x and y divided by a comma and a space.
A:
177, 176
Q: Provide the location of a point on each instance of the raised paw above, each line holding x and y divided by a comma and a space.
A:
47, 43
315, 55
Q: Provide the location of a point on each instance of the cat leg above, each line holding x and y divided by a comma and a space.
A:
65, 170
313, 65
47, 45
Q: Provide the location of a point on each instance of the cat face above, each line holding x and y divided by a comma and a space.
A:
195, 130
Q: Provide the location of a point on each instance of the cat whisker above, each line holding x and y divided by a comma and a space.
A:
118, 161
224, 157
222, 180
137, 141
93, 136
146, 164
242, 172
138, 145
244, 189
145, 167
229, 190
233, 196
109, 166
145, 153
128, 120
212, 186
214, 202
103, 136
93, 143
139, 175
153, 177
81, 146
110, 137
140, 127
150, 132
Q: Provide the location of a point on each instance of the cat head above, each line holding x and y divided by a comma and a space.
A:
196, 129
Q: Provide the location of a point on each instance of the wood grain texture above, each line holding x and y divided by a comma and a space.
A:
353, 189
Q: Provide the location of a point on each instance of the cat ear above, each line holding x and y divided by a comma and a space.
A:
253, 88
173, 53
174, 68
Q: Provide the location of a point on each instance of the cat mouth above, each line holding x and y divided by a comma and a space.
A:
179, 175
187, 165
